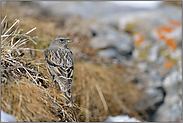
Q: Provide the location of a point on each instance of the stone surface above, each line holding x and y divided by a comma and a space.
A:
124, 44
108, 53
171, 110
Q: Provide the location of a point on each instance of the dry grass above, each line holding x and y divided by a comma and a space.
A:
176, 3
26, 90
25, 101
101, 92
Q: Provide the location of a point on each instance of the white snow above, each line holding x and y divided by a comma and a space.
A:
121, 118
7, 117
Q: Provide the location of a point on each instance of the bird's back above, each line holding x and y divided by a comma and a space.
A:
59, 57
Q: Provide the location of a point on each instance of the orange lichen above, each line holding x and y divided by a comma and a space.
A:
161, 31
160, 34
169, 64
175, 23
171, 43
165, 29
140, 38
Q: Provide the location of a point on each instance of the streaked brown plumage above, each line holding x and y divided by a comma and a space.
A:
60, 65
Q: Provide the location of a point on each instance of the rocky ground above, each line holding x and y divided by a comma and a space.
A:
146, 43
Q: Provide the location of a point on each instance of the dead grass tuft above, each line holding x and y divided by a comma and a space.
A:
26, 90
101, 92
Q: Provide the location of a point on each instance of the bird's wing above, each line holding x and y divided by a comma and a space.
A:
49, 56
59, 65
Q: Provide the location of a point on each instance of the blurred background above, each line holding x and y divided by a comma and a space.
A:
127, 55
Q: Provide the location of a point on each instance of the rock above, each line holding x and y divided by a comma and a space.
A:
172, 79
153, 53
105, 37
100, 42
169, 113
121, 41
171, 110
124, 45
177, 54
108, 53
142, 66
156, 94
155, 76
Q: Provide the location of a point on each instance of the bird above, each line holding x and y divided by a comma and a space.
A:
60, 65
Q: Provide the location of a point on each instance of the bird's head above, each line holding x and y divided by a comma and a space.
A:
60, 41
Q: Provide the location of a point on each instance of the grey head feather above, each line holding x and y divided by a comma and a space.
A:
60, 41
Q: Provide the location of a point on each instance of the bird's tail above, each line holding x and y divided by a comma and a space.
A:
68, 98
66, 91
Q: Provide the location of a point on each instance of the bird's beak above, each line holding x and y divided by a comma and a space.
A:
70, 40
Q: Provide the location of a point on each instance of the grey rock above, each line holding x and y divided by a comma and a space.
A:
108, 53
121, 41
142, 66
101, 42
171, 110
155, 75
177, 54
163, 114
150, 18
155, 94
124, 45
105, 37
153, 53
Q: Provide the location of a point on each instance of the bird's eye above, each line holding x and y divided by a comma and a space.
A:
61, 39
